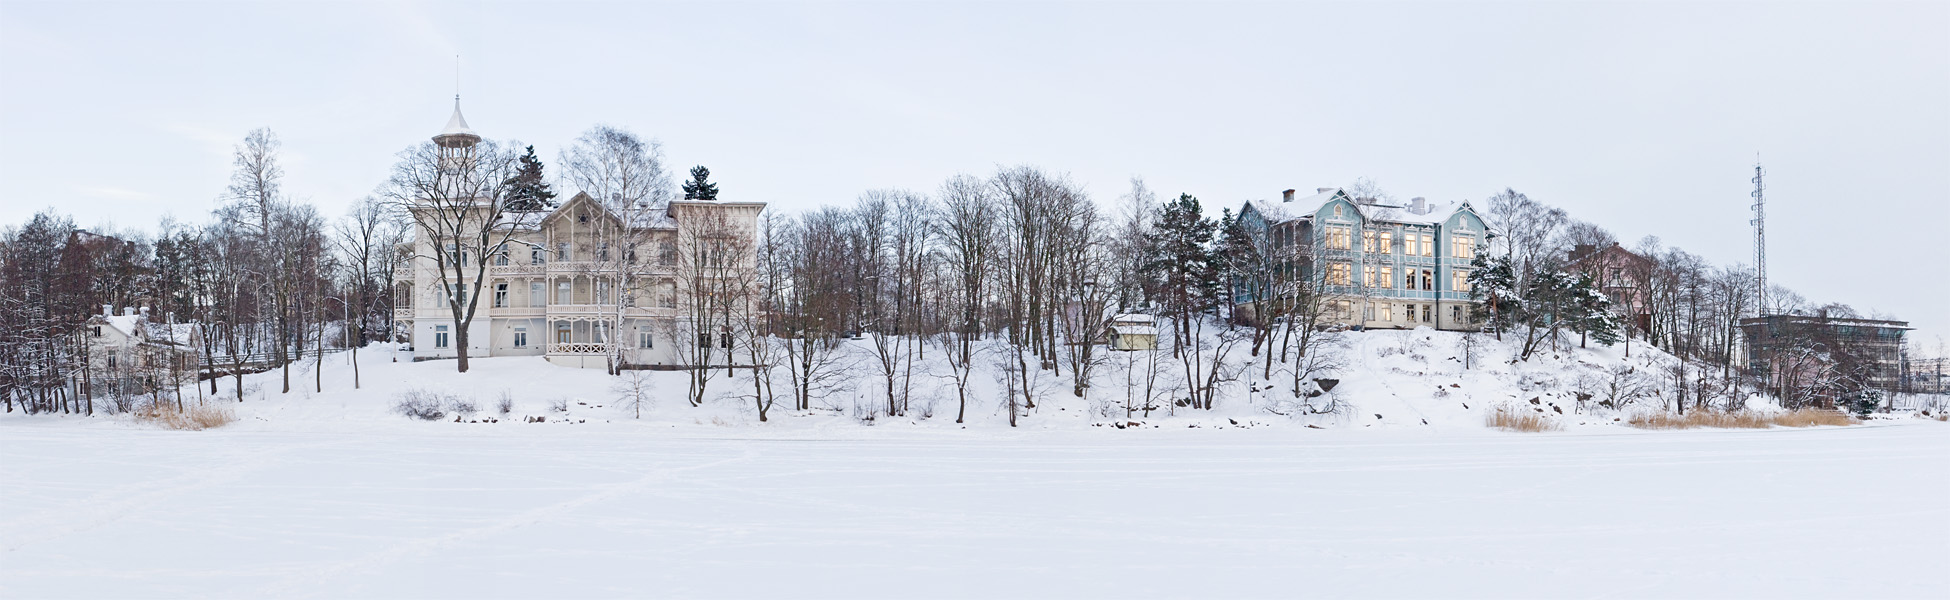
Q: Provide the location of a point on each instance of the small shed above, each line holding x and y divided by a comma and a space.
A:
1133, 332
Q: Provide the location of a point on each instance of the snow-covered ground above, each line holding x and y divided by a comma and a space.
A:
596, 511
1402, 493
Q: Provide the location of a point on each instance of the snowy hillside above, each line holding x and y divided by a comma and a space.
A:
1414, 379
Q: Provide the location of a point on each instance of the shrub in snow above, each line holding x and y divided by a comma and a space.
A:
462, 406
419, 405
559, 405
195, 417
507, 402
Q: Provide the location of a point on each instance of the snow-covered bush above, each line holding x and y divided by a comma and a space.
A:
419, 404
507, 403
462, 406
559, 405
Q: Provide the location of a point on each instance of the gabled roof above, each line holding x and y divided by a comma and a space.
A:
643, 219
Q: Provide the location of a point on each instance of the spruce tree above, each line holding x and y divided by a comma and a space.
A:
1182, 258
698, 188
1493, 286
527, 189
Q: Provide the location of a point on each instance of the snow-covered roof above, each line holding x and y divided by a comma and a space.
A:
457, 125
1395, 213
1132, 318
126, 324
1134, 330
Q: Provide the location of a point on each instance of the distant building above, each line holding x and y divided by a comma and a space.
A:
1813, 360
555, 291
1617, 272
129, 354
1133, 332
1380, 265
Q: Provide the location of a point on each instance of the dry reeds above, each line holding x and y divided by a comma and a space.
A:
194, 418
1509, 419
1740, 420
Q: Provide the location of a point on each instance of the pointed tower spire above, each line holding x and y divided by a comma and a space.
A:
457, 134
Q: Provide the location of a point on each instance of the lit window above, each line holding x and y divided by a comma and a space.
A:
1428, 280
1387, 311
1368, 277
1338, 273
1337, 238
1368, 311
1428, 313
1387, 242
1459, 281
1428, 245
1387, 279
1465, 247
1408, 312
1337, 210
1367, 241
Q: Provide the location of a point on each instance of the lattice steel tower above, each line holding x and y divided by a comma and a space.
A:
1760, 242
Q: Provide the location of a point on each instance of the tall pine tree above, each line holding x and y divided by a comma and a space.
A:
527, 189
698, 188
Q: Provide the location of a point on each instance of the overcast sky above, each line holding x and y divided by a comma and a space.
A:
1643, 117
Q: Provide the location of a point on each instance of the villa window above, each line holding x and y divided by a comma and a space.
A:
1368, 311
1338, 274
724, 340
561, 251
1465, 247
1337, 210
1408, 279
535, 295
562, 291
1459, 280
1387, 278
501, 258
521, 336
1387, 311
1337, 238
500, 295
562, 332
1428, 313
536, 257
603, 253
1428, 245
1368, 241
704, 340
1456, 314
97, 330
602, 292
1408, 312
1428, 280
440, 336
666, 253
1387, 242
643, 340
111, 359
1368, 277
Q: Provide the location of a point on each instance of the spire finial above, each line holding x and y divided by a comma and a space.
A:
456, 78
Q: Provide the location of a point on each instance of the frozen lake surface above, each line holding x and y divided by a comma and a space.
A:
607, 510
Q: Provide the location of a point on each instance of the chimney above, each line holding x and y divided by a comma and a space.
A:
128, 311
1324, 190
145, 312
1286, 196
1419, 205
108, 310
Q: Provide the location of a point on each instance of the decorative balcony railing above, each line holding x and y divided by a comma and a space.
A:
579, 348
402, 314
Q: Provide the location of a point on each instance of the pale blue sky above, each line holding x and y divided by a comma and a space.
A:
1644, 117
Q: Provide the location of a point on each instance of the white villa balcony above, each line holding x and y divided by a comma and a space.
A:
580, 348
